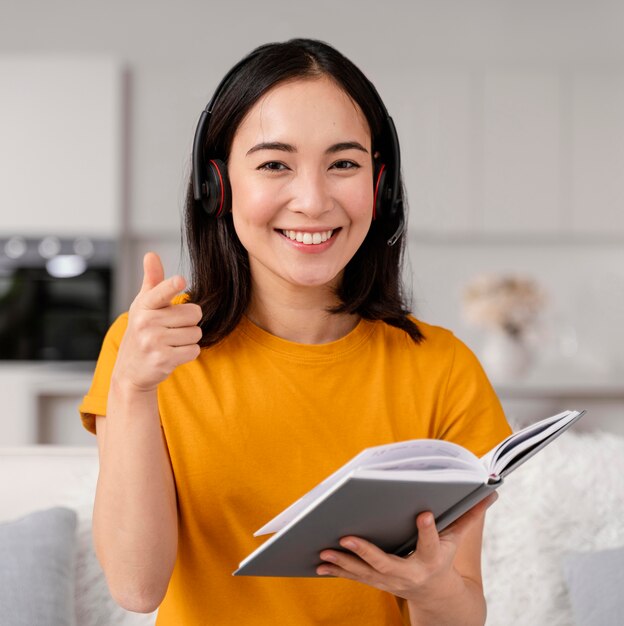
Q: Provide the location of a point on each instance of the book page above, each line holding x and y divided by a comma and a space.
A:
488, 460
523, 444
430, 464
465, 474
391, 452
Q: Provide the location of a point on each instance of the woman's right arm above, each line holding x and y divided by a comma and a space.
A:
135, 527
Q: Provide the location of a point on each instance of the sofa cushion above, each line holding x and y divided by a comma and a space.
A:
566, 498
43, 476
595, 582
37, 553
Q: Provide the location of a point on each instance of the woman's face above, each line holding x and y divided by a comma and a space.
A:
300, 169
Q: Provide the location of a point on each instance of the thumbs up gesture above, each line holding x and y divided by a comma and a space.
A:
160, 336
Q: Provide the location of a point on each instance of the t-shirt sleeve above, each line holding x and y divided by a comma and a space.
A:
471, 413
94, 403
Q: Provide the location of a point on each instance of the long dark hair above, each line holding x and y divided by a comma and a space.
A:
220, 274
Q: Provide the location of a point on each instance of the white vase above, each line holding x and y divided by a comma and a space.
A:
505, 357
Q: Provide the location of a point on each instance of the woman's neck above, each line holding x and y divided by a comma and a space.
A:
299, 314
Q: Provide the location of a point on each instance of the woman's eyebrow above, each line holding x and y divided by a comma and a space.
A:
346, 145
286, 147
272, 145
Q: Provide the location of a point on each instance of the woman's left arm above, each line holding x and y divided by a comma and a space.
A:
441, 579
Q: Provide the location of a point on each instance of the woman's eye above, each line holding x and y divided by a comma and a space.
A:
276, 166
345, 165
272, 166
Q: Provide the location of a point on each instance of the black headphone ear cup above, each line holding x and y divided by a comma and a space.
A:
217, 201
380, 191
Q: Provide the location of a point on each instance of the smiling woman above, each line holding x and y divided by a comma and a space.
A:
309, 148
292, 350
311, 192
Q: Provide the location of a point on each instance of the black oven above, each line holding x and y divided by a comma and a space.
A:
55, 297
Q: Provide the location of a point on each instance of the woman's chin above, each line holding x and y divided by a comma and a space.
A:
311, 284
314, 281
293, 276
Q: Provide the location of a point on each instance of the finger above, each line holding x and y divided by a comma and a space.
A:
180, 315
329, 569
491, 499
479, 509
343, 564
428, 545
183, 336
184, 354
475, 515
367, 552
153, 271
160, 296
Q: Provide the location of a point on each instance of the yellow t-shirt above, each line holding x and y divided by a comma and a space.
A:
256, 421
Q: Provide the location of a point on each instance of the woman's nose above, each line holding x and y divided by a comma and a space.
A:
311, 194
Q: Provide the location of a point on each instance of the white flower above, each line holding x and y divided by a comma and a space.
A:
510, 302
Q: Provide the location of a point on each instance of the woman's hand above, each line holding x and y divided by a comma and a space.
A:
425, 575
160, 336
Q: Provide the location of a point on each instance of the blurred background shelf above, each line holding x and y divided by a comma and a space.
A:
608, 390
538, 396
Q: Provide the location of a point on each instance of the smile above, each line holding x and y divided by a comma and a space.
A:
309, 238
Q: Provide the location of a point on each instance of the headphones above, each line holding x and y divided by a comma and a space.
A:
211, 184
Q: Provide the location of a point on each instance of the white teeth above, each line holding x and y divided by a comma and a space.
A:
308, 238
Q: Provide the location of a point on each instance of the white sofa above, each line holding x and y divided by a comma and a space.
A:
568, 497
39, 477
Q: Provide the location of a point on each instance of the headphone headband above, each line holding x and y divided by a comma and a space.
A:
393, 200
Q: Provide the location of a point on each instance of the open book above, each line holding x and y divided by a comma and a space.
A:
378, 494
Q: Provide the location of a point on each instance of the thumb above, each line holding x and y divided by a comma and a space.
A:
153, 271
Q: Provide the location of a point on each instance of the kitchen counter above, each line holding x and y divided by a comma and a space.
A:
51, 378
40, 399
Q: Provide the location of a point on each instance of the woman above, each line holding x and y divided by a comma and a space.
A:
291, 351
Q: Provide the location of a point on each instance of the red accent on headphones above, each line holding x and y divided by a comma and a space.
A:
221, 187
383, 167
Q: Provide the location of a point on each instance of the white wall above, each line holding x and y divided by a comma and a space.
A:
175, 53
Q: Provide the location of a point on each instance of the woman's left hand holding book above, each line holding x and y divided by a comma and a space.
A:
441, 574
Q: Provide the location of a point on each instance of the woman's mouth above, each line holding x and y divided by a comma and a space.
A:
307, 238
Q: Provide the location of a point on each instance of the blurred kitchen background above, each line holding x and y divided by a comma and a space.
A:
511, 122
